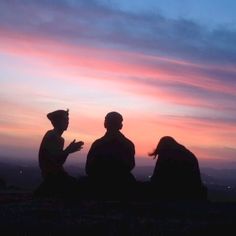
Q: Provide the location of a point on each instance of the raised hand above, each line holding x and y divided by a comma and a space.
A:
74, 146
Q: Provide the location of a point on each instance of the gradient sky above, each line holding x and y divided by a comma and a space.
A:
168, 66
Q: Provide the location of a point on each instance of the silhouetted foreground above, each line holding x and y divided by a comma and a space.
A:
176, 174
109, 166
109, 200
20, 214
110, 161
52, 157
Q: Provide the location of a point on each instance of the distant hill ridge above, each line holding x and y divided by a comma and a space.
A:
221, 183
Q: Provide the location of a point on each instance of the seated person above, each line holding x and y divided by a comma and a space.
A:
57, 182
110, 159
176, 175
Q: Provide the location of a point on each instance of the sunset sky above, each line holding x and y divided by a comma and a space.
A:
168, 66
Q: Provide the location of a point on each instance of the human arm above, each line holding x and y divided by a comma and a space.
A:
51, 149
127, 156
131, 159
71, 148
91, 159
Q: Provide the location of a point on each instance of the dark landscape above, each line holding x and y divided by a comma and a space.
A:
21, 214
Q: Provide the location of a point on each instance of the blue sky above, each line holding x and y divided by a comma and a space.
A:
167, 66
207, 12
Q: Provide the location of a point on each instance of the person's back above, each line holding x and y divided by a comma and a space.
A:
176, 174
51, 145
112, 155
110, 159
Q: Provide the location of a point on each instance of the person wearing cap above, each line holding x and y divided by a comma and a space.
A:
111, 158
52, 156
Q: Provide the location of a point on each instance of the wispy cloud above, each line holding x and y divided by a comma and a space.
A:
92, 22
184, 69
156, 76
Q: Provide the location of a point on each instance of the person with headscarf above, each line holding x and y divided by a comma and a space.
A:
52, 157
176, 175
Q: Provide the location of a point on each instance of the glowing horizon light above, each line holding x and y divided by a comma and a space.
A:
166, 75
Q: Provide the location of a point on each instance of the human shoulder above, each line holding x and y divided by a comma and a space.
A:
189, 156
127, 143
52, 135
127, 140
98, 142
193, 157
49, 134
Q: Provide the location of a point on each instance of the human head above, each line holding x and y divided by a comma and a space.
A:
113, 121
165, 143
59, 119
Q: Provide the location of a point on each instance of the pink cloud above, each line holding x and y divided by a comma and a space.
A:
26, 125
146, 75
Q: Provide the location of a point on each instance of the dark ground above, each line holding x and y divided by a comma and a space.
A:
20, 214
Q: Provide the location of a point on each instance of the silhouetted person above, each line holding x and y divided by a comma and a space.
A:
52, 156
110, 159
176, 175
